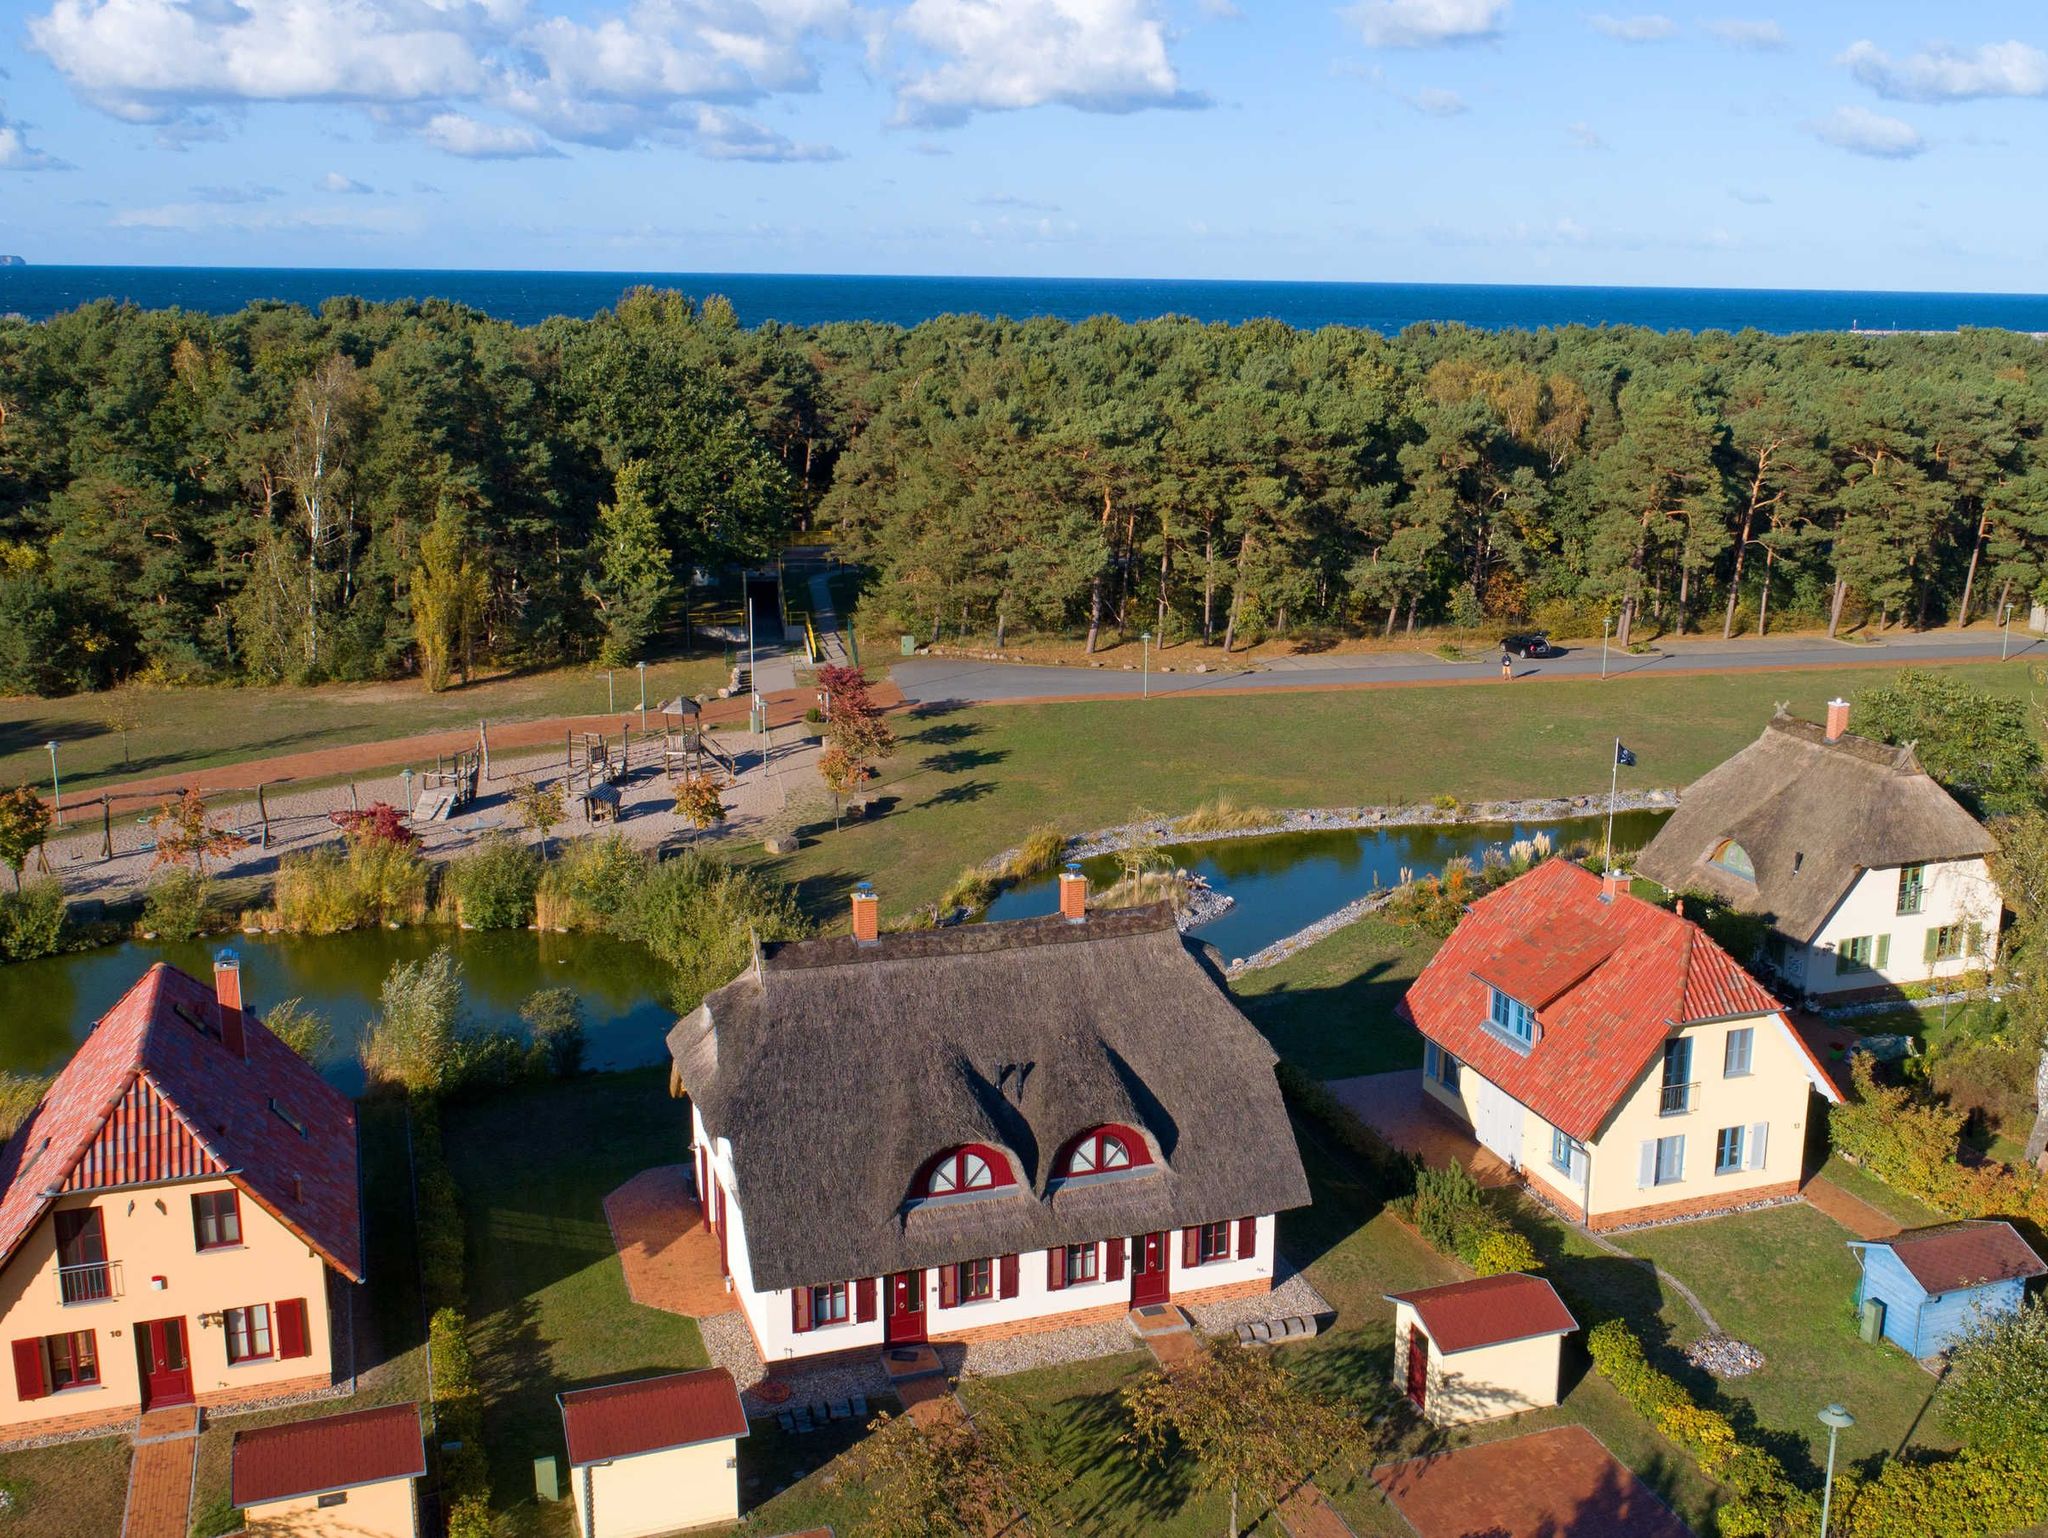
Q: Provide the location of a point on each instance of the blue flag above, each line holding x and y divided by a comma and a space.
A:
1624, 756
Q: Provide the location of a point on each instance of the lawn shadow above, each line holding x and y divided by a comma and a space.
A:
960, 795
948, 733
960, 760
1135, 1494
1340, 1031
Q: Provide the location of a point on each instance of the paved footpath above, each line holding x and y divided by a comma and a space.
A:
160, 1476
1848, 1209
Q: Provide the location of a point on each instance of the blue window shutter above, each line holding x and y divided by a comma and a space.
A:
1646, 1169
1756, 1145
1884, 951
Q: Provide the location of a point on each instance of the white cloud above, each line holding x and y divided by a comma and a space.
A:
456, 133
1427, 23
17, 154
1757, 36
1863, 132
1633, 29
1011, 200
252, 192
727, 135
1432, 102
1005, 55
1941, 73
335, 182
1219, 10
357, 219
1585, 136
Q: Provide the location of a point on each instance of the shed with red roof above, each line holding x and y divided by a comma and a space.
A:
654, 1455
1480, 1349
331, 1476
1613, 1054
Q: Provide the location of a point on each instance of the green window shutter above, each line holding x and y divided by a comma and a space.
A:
1973, 939
1933, 945
1884, 951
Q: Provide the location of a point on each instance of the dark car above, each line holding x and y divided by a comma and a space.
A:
1532, 643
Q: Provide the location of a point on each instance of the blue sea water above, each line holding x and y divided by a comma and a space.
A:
810, 299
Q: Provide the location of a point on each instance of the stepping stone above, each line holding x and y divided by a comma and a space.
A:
860, 1406
786, 1421
841, 1410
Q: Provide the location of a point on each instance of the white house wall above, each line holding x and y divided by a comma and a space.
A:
1956, 892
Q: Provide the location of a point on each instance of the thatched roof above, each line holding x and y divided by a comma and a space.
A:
837, 1070
1812, 816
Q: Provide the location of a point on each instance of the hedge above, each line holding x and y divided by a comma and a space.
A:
1910, 1142
1971, 1495
458, 1406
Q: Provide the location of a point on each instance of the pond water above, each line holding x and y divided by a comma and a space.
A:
47, 1006
1284, 882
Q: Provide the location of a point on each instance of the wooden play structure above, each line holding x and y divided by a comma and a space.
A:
449, 786
686, 748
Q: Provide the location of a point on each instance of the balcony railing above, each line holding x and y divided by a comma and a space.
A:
1676, 1099
94, 1281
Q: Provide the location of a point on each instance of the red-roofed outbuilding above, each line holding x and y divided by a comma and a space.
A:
654, 1455
1612, 1052
1480, 1349
331, 1476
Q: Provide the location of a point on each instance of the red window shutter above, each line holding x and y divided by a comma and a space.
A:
28, 1370
1247, 1238
949, 1287
1007, 1285
1055, 1269
291, 1328
800, 1309
864, 1300
1113, 1261
1191, 1246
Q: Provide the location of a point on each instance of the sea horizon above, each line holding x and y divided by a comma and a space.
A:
525, 296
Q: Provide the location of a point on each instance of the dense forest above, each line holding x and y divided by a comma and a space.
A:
381, 489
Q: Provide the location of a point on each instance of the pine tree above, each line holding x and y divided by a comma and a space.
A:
630, 580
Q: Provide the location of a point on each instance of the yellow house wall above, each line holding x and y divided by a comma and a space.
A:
149, 1233
1483, 1384
384, 1510
662, 1492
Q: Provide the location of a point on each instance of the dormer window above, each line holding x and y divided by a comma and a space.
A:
1103, 1151
1734, 859
1513, 1019
970, 1168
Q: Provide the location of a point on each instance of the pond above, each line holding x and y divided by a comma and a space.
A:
47, 1006
1284, 882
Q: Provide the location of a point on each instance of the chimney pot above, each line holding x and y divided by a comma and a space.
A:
227, 993
1612, 885
1073, 895
1838, 719
867, 915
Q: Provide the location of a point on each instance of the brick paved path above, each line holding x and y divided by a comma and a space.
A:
1396, 1106
1560, 1483
670, 1257
1848, 1209
160, 1476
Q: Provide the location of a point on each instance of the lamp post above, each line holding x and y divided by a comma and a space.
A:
1837, 1420
2005, 646
56, 785
1606, 624
643, 694
1145, 681
610, 700
405, 775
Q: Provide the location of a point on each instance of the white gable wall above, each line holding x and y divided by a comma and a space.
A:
1955, 892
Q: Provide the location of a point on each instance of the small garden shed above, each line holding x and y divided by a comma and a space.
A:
656, 1455
1480, 1350
333, 1476
1921, 1289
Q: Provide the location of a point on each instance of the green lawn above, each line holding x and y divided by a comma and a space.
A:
1329, 1008
548, 1304
968, 783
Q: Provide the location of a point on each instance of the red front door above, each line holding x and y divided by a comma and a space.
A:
1418, 1367
718, 1222
166, 1369
1148, 1270
904, 1316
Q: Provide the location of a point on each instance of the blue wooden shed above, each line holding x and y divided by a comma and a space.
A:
1931, 1284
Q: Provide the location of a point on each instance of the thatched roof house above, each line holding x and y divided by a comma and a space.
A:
839, 1068
1787, 826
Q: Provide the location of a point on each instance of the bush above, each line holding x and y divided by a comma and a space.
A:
32, 919
1997, 1394
1971, 1495
589, 883
695, 913
1393, 1173
304, 1030
19, 1094
374, 881
494, 885
411, 1042
554, 1020
178, 903
1910, 1142
1444, 801
1567, 618
1991, 1079
1504, 1251
1452, 1213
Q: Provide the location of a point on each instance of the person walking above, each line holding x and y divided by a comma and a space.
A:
1507, 667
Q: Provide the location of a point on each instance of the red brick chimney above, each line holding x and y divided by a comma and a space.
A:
1612, 885
227, 992
1838, 719
867, 915
1073, 895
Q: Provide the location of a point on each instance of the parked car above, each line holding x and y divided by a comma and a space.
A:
1532, 643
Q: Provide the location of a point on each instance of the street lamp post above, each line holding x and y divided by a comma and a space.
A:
1837, 1420
610, 700
1606, 624
2005, 646
1145, 682
643, 694
56, 785
405, 775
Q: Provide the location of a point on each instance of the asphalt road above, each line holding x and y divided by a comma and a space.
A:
947, 678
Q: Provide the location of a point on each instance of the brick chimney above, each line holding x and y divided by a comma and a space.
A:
227, 992
1073, 895
1613, 885
867, 915
1838, 719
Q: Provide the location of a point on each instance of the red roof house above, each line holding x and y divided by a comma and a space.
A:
1612, 1051
655, 1454
1480, 1349
326, 1454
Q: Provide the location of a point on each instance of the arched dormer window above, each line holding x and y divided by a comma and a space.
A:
1103, 1151
1734, 859
970, 1167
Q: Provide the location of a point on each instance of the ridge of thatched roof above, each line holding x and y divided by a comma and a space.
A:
837, 1070
1812, 815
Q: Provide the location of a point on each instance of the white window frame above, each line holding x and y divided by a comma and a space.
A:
1512, 1018
1676, 1142
1746, 1035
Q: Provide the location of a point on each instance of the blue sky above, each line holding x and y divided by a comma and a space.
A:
1818, 145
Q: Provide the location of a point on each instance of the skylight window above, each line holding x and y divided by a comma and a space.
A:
287, 1117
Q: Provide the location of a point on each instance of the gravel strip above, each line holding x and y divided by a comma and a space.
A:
1292, 1294
1045, 1348
731, 1347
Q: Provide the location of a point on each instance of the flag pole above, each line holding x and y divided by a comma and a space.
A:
1613, 788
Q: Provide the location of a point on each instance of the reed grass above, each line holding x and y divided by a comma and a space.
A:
1224, 815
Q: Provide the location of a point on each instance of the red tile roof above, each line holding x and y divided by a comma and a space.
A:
329, 1452
153, 1095
1489, 1311
1950, 1256
618, 1420
1608, 981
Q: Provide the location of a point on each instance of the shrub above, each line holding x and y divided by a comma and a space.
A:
1910, 1141
391, 880
1974, 1494
32, 919
178, 903
411, 1043
1444, 801
1997, 1394
1446, 1200
19, 1094
494, 885
1504, 1251
1039, 853
695, 913
554, 1020
304, 1030
589, 883
1393, 1173
1567, 618
316, 894
1992, 1079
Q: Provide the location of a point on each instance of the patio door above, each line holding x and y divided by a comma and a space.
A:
1149, 1282
903, 1315
1418, 1367
166, 1369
